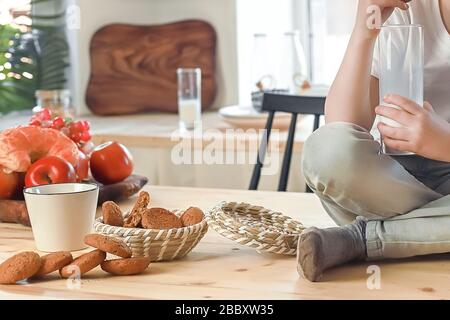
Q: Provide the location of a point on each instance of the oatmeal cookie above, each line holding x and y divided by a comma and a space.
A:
19, 267
125, 267
108, 244
112, 214
85, 263
135, 217
159, 218
53, 262
192, 216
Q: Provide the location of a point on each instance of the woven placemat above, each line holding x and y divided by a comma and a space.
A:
256, 227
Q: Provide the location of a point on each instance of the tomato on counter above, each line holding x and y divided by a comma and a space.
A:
50, 170
111, 162
10, 184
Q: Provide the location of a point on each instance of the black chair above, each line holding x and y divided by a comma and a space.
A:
295, 105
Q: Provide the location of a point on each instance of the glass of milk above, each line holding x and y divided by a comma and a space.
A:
189, 97
401, 68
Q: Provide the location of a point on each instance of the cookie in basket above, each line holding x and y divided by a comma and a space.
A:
135, 217
112, 214
160, 218
166, 240
192, 216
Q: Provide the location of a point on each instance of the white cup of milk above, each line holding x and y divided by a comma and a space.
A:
61, 215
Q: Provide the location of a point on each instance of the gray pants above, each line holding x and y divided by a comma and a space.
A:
403, 197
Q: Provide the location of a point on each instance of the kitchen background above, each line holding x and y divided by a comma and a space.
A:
324, 26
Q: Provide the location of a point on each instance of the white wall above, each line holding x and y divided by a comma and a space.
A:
97, 13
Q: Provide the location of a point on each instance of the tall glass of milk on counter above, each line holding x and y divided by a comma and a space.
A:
189, 97
401, 52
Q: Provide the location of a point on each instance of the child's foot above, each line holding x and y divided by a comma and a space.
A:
321, 249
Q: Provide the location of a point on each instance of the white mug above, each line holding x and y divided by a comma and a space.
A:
61, 215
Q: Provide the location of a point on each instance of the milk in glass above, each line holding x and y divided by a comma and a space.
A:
401, 68
189, 97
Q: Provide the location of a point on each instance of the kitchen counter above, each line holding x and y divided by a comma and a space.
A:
157, 130
221, 269
152, 137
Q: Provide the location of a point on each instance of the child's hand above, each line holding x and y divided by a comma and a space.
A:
368, 24
424, 132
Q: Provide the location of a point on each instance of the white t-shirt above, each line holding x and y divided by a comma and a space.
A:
437, 51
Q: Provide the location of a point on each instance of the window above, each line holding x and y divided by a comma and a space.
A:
28, 60
264, 17
330, 26
325, 27
15, 12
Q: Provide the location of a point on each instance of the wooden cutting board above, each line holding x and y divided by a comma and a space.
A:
133, 68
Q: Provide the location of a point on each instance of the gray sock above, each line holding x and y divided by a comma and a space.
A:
321, 249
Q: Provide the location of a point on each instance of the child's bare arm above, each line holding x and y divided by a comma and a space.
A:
354, 93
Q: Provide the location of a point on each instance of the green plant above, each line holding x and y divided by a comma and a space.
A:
30, 60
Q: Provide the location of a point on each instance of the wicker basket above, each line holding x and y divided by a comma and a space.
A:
159, 245
256, 227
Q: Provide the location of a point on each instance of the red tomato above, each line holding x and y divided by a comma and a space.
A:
82, 168
50, 170
111, 162
10, 184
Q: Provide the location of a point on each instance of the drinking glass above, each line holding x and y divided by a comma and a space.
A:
401, 68
262, 73
293, 68
189, 97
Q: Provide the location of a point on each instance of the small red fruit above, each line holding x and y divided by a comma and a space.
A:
86, 125
45, 114
111, 162
58, 123
50, 170
86, 136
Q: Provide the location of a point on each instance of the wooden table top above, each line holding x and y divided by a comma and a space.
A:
220, 269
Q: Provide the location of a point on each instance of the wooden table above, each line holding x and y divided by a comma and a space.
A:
220, 269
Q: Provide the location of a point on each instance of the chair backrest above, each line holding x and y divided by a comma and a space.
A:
291, 103
294, 104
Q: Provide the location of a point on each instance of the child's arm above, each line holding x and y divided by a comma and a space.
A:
354, 93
